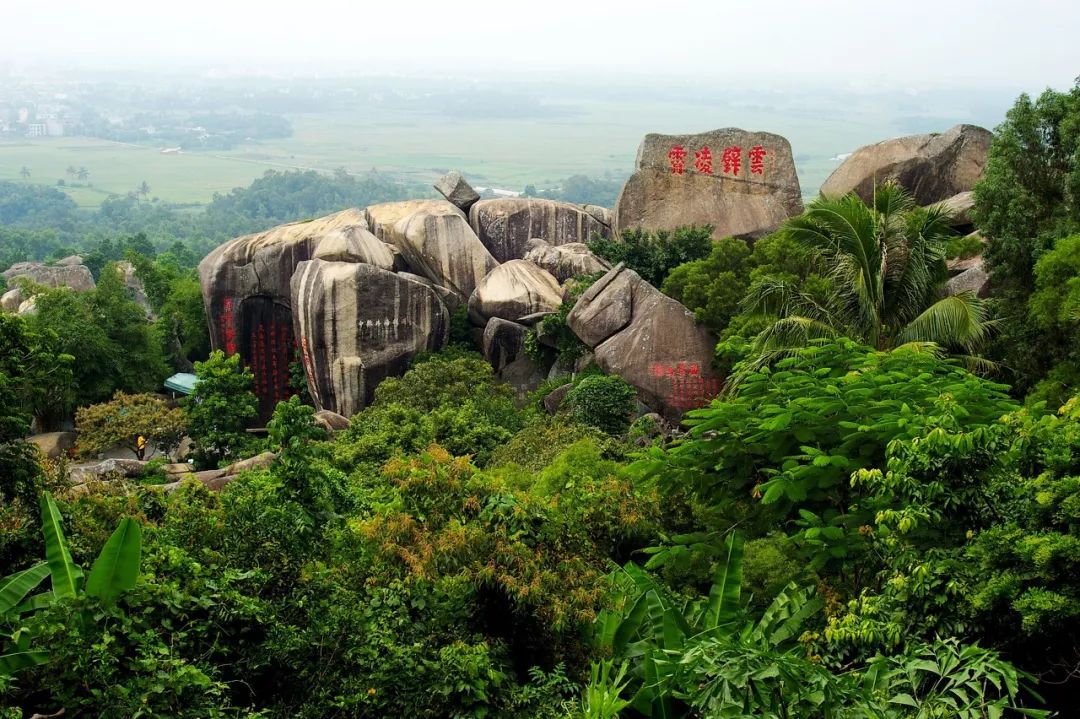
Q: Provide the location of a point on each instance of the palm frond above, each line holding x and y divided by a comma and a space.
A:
958, 322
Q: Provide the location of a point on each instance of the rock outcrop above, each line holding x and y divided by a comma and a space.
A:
959, 207
441, 246
134, 286
505, 225
741, 183
54, 444
933, 167
359, 324
503, 342
457, 191
514, 290
75, 277
10, 300
564, 261
247, 291
648, 339
354, 244
381, 218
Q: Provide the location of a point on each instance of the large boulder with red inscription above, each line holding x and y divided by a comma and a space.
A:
932, 167
439, 244
246, 289
648, 339
358, 325
505, 225
741, 183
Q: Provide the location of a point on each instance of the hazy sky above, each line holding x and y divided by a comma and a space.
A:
1016, 43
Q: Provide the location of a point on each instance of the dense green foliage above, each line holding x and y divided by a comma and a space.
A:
220, 408
860, 526
1025, 204
654, 255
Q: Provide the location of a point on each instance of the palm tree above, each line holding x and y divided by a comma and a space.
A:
83, 173
24, 172
886, 261
71, 171
143, 189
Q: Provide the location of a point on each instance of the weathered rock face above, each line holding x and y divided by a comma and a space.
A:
505, 225
601, 214
246, 288
354, 244
564, 261
741, 183
382, 218
54, 444
70, 261
648, 339
134, 285
11, 300
459, 193
968, 275
76, 277
960, 207
503, 342
512, 291
933, 167
332, 422
358, 325
442, 247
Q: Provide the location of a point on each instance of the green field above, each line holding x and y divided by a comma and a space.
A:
503, 153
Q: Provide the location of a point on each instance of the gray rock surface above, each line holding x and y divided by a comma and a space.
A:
505, 225
381, 218
10, 300
354, 244
503, 342
741, 183
54, 444
457, 191
331, 421
514, 290
648, 339
959, 207
76, 277
933, 167
564, 261
441, 246
359, 324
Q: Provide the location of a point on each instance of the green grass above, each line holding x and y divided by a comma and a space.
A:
503, 153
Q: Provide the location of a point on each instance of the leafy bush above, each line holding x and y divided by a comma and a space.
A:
126, 418
605, 402
654, 255
219, 409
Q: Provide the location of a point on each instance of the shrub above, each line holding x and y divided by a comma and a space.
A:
603, 401
655, 255
219, 409
126, 418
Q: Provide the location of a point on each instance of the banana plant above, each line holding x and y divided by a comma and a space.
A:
114, 572
655, 629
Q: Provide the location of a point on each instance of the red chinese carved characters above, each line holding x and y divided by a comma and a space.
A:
757, 160
228, 326
703, 160
689, 388
677, 156
731, 160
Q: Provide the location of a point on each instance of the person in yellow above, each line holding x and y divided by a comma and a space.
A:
140, 447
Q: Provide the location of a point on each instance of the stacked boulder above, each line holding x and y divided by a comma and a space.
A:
355, 295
